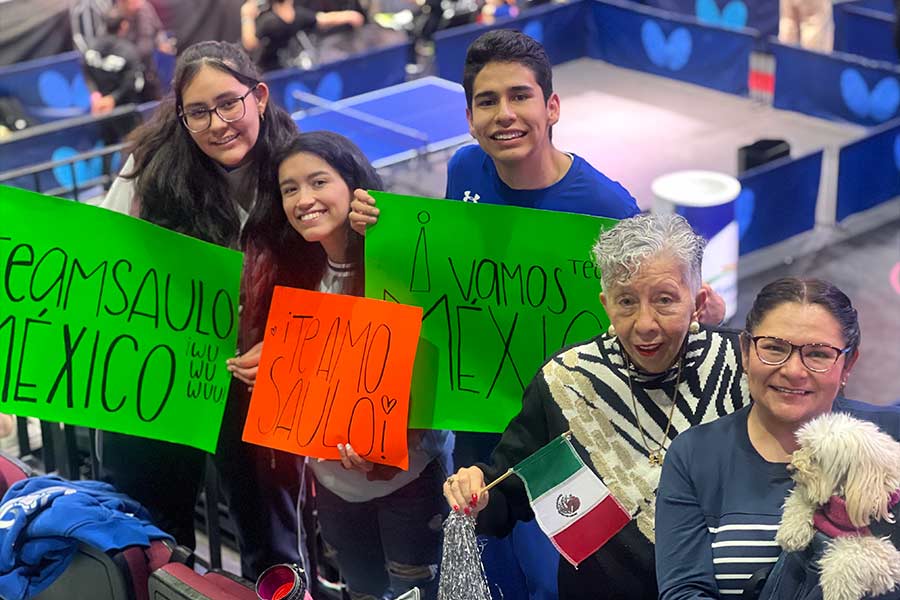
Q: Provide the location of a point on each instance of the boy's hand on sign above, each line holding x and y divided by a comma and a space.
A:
362, 211
245, 366
462, 491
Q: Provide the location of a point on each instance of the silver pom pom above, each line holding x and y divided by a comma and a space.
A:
462, 574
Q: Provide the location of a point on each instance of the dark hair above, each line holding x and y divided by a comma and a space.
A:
113, 20
808, 291
508, 46
180, 187
278, 255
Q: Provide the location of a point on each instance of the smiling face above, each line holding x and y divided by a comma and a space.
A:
316, 201
790, 393
652, 312
229, 144
508, 115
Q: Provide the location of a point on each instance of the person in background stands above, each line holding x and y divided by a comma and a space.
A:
808, 23
113, 69
271, 35
145, 31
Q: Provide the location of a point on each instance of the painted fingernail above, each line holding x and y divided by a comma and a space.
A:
467, 510
455, 508
474, 498
340, 446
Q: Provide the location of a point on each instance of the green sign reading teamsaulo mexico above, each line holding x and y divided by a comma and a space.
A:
107, 321
502, 288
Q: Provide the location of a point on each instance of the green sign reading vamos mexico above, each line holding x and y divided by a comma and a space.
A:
502, 289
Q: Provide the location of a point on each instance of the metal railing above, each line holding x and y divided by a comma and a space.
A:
78, 186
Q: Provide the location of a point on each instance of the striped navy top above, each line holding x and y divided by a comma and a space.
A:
742, 544
717, 511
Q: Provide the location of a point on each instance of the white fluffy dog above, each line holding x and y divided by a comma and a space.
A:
855, 461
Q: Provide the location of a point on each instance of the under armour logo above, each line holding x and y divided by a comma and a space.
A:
468, 197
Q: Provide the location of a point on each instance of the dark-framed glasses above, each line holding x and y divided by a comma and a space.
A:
198, 119
819, 358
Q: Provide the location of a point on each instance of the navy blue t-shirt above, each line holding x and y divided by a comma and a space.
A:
472, 176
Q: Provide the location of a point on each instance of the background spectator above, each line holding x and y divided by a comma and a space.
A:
113, 68
808, 23
145, 31
272, 34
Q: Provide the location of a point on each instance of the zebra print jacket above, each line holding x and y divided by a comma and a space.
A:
585, 389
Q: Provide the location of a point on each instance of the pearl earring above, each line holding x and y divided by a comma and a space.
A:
611, 330
694, 327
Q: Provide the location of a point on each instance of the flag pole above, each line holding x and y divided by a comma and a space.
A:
497, 481
510, 471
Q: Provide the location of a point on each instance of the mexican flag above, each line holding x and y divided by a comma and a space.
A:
571, 504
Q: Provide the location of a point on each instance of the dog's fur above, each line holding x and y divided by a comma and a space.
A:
853, 459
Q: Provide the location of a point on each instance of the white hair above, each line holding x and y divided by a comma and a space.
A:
621, 251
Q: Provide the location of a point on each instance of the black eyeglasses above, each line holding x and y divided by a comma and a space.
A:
200, 119
818, 358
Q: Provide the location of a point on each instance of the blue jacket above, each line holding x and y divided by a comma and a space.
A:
43, 519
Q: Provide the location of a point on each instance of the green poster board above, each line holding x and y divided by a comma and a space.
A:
110, 322
502, 289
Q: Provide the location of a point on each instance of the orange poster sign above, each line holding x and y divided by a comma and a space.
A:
335, 370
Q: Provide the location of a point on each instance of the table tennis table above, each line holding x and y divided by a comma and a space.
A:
395, 124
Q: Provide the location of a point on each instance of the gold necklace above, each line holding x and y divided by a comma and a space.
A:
655, 455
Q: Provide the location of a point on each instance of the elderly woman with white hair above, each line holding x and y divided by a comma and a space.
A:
624, 395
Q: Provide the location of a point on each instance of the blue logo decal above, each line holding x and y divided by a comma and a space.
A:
733, 15
672, 53
535, 30
56, 91
330, 87
85, 170
744, 205
879, 104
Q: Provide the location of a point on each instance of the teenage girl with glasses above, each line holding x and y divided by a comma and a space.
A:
202, 166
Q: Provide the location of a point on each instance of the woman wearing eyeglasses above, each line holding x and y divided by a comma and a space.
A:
724, 483
202, 166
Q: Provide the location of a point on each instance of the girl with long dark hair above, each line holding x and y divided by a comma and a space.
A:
383, 524
202, 166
